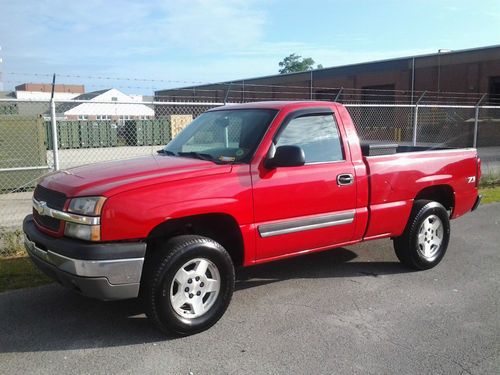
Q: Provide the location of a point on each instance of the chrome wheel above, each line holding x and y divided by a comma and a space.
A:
430, 237
195, 288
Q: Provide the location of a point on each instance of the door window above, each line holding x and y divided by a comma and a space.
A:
317, 135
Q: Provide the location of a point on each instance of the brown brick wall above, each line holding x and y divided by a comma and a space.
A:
47, 87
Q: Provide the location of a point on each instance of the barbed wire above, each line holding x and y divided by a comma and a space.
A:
254, 91
228, 84
108, 78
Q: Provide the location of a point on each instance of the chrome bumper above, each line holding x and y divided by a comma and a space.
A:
103, 279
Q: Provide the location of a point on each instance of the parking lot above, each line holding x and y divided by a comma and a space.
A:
349, 310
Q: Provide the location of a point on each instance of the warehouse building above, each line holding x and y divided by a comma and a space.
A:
447, 76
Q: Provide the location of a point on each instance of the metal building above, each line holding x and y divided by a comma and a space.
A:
470, 72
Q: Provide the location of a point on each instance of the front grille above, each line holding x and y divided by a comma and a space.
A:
54, 199
46, 221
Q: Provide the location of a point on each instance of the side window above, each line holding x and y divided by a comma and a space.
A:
317, 135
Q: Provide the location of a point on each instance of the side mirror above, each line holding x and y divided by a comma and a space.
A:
286, 156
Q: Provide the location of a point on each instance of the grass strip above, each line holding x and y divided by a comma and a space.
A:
20, 272
490, 194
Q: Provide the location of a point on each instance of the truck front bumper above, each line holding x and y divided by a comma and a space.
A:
106, 271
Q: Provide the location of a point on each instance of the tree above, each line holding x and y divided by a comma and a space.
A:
295, 63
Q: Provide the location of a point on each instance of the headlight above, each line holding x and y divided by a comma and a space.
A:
88, 206
91, 206
82, 231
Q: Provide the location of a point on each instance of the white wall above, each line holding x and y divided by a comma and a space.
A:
38, 95
96, 108
110, 109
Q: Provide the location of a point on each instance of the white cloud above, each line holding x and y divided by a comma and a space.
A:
213, 26
61, 32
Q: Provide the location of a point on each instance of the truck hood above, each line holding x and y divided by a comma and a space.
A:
113, 177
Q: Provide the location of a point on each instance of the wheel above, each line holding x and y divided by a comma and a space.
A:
425, 239
187, 285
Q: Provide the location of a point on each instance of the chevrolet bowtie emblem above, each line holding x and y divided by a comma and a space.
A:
40, 207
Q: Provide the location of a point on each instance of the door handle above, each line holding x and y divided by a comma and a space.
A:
345, 179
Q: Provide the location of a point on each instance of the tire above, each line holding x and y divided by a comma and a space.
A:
425, 239
187, 284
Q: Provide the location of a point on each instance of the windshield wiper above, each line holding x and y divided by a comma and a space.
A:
199, 155
166, 152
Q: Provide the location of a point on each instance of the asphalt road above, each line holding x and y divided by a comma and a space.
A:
352, 310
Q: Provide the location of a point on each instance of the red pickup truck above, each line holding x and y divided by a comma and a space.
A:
241, 185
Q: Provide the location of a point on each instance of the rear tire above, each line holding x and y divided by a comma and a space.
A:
188, 283
424, 242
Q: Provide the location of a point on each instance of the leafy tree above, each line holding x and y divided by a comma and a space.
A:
295, 63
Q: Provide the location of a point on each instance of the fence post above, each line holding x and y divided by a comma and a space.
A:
55, 143
311, 87
476, 120
415, 119
53, 122
339, 93
227, 93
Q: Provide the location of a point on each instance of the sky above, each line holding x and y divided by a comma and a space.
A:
181, 42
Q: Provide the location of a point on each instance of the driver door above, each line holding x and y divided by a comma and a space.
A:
311, 206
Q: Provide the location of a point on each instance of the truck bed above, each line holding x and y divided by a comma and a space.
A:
396, 178
377, 149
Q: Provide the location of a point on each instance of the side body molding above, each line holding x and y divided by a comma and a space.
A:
303, 224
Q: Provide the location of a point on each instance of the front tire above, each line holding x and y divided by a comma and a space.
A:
188, 284
424, 242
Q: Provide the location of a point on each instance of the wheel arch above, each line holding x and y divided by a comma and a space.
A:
220, 227
442, 194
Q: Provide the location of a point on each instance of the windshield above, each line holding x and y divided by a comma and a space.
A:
222, 136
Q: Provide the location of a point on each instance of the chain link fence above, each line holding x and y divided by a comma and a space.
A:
91, 132
383, 123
